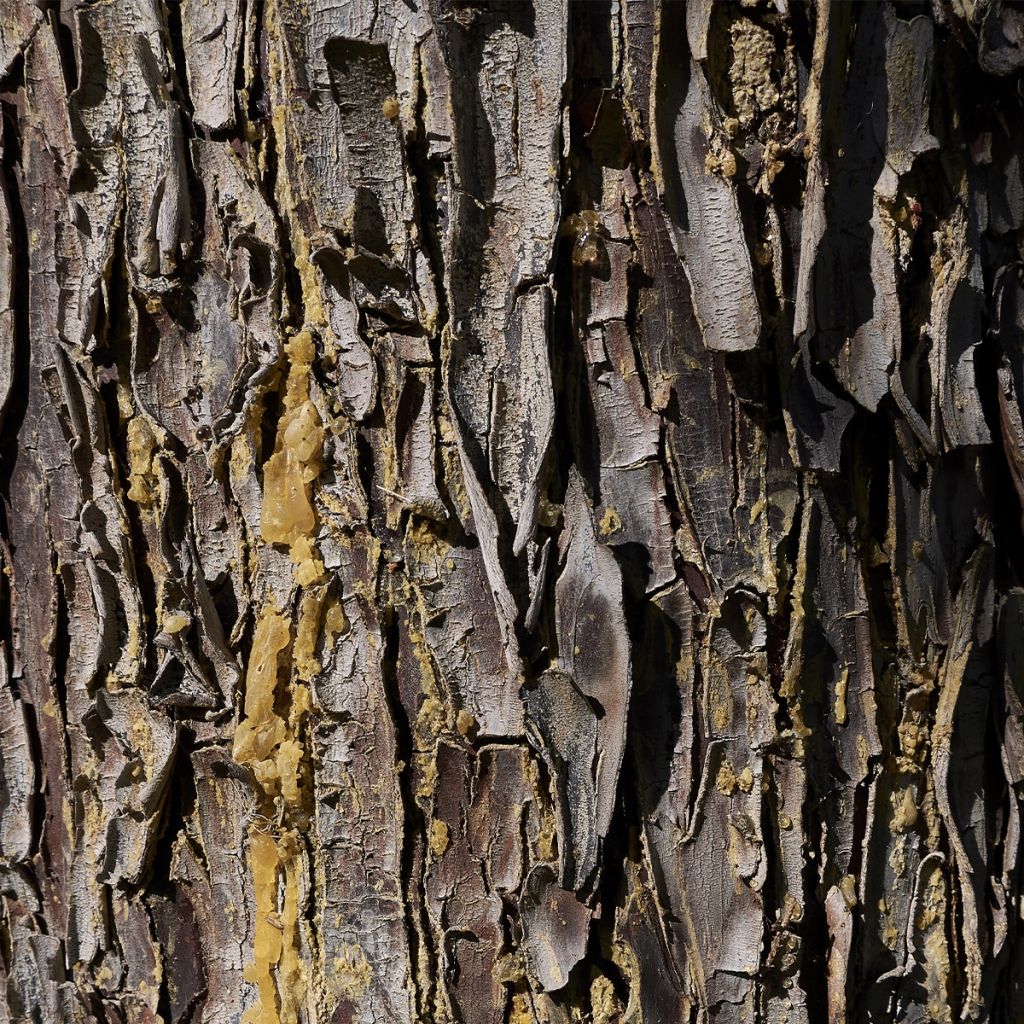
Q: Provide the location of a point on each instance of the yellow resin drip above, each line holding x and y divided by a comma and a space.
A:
276, 939
263, 862
268, 742
307, 632
288, 516
439, 838
270, 738
841, 690
142, 446
290, 973
263, 730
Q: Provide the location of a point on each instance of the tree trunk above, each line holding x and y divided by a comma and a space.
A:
512, 512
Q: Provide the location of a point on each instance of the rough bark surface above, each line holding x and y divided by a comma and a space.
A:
511, 511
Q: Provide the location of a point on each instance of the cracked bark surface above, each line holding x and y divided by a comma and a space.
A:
511, 511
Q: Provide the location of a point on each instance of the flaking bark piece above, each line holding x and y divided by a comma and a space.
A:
641, 950
416, 441
465, 636
1000, 37
485, 526
958, 757
210, 674
17, 773
1008, 300
356, 370
211, 34
18, 23
593, 641
523, 417
196, 376
704, 210
363, 82
460, 894
565, 728
506, 70
211, 869
7, 300
147, 740
555, 927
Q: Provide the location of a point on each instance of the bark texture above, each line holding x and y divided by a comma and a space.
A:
511, 512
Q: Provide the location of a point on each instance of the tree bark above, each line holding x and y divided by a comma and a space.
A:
511, 511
